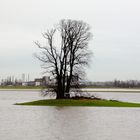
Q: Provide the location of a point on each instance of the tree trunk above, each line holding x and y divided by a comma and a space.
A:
59, 92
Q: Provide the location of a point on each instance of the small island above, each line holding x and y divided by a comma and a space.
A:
80, 102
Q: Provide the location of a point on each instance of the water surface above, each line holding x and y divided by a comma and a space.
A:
66, 123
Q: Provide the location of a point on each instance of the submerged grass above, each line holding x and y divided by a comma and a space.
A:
81, 102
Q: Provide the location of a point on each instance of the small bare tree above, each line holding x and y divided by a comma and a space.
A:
66, 61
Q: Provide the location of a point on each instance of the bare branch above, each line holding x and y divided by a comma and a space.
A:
72, 56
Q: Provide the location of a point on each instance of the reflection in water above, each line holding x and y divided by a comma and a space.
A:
64, 123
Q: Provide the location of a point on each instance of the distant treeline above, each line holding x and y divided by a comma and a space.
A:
84, 84
115, 84
126, 84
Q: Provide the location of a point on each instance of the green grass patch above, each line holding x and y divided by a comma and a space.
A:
81, 102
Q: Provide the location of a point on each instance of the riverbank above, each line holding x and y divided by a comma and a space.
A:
137, 90
80, 102
38, 88
19, 87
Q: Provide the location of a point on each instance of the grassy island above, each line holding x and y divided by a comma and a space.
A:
80, 102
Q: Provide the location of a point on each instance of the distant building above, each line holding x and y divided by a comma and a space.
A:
24, 83
31, 83
42, 81
46, 80
38, 82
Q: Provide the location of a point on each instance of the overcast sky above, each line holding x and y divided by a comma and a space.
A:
115, 26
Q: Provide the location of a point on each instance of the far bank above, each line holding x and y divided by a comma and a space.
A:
86, 89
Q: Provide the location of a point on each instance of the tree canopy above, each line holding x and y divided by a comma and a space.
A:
66, 60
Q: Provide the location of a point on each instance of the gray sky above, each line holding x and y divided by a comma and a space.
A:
115, 26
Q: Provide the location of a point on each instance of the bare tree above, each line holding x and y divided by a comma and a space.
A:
66, 61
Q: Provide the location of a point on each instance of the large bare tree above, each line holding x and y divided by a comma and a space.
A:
68, 58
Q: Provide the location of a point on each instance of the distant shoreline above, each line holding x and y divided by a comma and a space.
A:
4, 89
111, 90
83, 89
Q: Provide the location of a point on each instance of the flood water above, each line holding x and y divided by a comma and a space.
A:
67, 123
